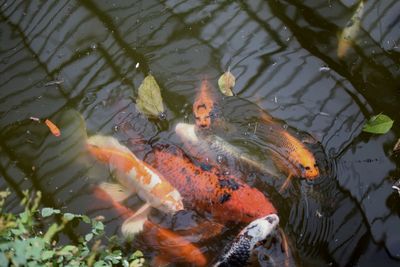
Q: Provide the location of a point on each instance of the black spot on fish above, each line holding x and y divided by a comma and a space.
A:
205, 167
271, 219
229, 183
188, 179
201, 106
225, 197
196, 172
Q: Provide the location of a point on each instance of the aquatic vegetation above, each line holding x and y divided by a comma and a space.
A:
22, 242
379, 124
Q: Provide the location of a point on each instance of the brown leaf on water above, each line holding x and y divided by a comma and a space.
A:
226, 83
396, 148
149, 101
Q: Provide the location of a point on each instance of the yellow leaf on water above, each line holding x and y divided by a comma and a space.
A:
149, 101
226, 83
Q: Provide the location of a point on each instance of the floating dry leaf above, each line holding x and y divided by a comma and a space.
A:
149, 101
226, 83
396, 148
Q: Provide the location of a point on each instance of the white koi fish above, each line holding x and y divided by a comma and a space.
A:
349, 33
134, 175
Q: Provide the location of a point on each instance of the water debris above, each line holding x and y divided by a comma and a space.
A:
55, 82
396, 147
324, 69
396, 186
350, 31
137, 65
34, 119
53, 128
226, 83
149, 101
379, 124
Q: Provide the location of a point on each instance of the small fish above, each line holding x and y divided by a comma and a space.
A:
212, 146
169, 246
137, 176
238, 253
289, 153
349, 33
208, 190
203, 107
53, 128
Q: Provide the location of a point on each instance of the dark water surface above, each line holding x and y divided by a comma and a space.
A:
283, 54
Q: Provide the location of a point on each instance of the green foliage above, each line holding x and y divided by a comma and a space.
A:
379, 124
20, 245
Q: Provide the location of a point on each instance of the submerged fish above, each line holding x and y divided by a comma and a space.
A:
290, 154
136, 176
239, 251
349, 33
203, 107
212, 146
207, 189
170, 247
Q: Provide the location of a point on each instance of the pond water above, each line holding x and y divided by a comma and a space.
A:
284, 56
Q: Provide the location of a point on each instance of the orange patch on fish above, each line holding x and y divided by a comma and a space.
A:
53, 128
300, 154
203, 106
171, 246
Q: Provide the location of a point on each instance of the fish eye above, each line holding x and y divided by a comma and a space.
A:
308, 168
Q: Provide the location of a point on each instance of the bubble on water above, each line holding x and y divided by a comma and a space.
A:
285, 126
116, 128
162, 116
220, 159
324, 69
93, 46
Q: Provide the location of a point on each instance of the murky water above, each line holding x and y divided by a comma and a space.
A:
283, 54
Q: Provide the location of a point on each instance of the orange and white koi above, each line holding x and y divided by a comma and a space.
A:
203, 107
136, 176
169, 246
52, 127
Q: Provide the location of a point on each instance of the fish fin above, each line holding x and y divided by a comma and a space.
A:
116, 191
159, 261
134, 224
286, 183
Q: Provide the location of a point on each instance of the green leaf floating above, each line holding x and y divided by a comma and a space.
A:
226, 82
379, 124
149, 101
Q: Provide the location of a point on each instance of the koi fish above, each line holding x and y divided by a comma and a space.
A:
203, 107
53, 128
213, 146
136, 176
289, 153
170, 247
207, 189
349, 33
239, 251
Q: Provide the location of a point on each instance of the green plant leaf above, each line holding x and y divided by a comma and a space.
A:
379, 124
46, 212
69, 216
149, 101
47, 254
88, 237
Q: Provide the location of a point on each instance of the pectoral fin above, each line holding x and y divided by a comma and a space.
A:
116, 191
134, 224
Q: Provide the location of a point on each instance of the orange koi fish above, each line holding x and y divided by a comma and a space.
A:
207, 189
289, 153
136, 176
53, 128
171, 247
203, 106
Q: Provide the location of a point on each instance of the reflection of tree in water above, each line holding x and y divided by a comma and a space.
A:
275, 49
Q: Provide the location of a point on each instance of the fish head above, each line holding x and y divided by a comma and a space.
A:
203, 106
309, 168
202, 116
261, 229
170, 198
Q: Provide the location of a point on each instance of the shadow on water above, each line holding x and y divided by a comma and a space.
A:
283, 54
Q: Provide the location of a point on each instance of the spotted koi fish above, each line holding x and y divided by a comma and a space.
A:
170, 247
203, 107
239, 251
136, 176
207, 190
